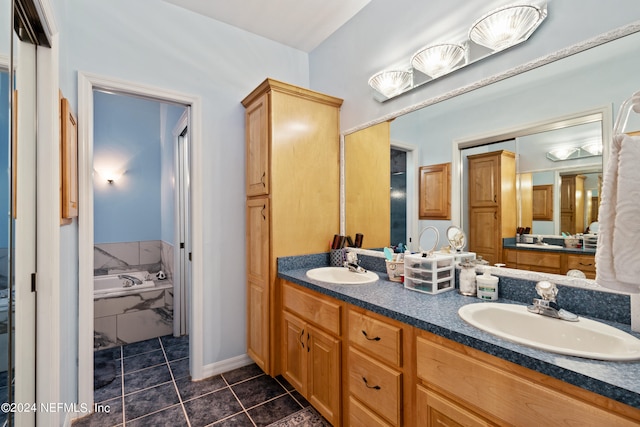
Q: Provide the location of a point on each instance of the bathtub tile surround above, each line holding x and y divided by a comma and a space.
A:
150, 386
134, 317
151, 256
144, 314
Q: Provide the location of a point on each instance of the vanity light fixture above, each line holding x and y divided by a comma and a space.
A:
588, 150
492, 33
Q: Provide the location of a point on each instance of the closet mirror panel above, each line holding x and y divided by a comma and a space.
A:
595, 80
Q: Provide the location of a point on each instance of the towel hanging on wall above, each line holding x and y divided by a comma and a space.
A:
618, 249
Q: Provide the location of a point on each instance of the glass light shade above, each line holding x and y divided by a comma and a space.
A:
437, 60
594, 148
505, 26
561, 153
391, 83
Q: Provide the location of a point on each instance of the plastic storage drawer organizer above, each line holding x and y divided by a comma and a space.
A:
430, 275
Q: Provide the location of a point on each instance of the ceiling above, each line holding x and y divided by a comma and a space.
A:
300, 24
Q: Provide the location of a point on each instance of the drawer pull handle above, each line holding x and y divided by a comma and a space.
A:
301, 336
375, 387
308, 348
586, 265
264, 175
264, 207
370, 339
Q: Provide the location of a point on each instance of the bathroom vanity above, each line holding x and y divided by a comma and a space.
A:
380, 355
554, 261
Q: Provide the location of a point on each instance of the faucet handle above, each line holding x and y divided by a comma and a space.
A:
547, 290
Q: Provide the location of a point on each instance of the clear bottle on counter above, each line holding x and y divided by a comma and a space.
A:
467, 284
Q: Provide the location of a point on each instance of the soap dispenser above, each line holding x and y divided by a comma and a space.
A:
487, 286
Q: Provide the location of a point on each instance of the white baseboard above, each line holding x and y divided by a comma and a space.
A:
227, 365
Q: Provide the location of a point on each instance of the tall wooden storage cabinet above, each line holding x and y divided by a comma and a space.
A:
492, 202
292, 186
572, 204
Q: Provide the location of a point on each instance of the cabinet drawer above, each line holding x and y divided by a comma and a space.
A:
376, 337
361, 416
435, 410
312, 308
503, 394
375, 384
539, 259
585, 263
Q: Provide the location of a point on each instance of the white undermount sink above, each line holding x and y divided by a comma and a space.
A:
341, 275
584, 338
538, 246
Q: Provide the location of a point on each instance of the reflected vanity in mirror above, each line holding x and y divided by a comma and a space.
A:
571, 99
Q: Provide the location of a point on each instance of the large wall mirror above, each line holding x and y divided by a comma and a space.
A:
569, 102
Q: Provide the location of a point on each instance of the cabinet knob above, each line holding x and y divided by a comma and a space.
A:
375, 387
370, 339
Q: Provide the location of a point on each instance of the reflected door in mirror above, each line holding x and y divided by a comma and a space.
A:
492, 202
572, 204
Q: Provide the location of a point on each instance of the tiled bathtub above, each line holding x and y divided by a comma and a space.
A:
133, 315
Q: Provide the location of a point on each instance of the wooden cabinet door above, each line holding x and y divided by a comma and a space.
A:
484, 234
257, 140
324, 374
434, 410
258, 281
435, 192
484, 181
295, 340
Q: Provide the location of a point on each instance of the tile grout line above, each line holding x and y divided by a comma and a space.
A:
122, 382
241, 404
290, 394
175, 386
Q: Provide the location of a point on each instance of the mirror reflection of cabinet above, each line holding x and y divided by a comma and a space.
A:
572, 204
367, 193
435, 192
492, 202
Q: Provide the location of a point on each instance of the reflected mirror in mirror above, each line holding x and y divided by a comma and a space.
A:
600, 77
457, 238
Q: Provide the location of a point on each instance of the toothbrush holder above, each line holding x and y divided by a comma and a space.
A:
336, 257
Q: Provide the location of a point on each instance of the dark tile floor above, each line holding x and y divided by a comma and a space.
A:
152, 388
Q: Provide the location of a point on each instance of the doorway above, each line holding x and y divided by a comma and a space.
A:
87, 85
140, 164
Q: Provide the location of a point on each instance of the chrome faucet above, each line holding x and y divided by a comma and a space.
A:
135, 280
547, 305
353, 263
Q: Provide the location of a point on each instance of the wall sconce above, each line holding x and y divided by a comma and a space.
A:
110, 175
588, 150
493, 32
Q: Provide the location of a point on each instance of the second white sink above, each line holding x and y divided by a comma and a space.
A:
341, 275
538, 246
584, 338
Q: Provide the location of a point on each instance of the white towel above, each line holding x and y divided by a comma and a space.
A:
618, 250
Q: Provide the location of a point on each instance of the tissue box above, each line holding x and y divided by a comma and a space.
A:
430, 275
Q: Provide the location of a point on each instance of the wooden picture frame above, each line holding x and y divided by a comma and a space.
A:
435, 192
68, 163
543, 202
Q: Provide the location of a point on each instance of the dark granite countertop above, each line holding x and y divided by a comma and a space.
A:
438, 314
579, 251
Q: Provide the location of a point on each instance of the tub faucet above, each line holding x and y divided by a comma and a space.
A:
547, 305
135, 280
